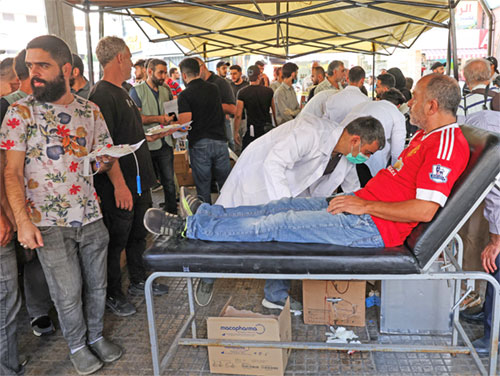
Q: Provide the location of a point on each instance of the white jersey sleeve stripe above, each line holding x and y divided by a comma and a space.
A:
446, 144
429, 195
451, 144
440, 145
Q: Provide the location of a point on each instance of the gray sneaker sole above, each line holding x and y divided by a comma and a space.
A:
266, 303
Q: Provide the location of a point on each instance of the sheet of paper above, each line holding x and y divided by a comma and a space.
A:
115, 151
171, 106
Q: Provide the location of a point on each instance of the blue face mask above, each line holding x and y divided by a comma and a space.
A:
294, 81
358, 159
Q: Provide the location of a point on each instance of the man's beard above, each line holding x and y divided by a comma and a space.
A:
157, 81
52, 91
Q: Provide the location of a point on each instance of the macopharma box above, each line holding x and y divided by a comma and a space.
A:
233, 324
334, 302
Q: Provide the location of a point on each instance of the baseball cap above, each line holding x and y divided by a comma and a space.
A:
437, 65
253, 72
221, 63
494, 61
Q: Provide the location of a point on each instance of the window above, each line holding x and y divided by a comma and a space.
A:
8, 16
31, 19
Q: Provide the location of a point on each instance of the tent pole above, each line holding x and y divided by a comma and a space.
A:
453, 40
373, 71
89, 42
491, 18
101, 35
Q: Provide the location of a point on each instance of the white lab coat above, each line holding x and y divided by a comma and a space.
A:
394, 125
317, 105
339, 105
289, 161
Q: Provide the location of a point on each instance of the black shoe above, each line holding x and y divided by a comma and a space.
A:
138, 289
204, 293
85, 362
42, 326
120, 306
474, 316
106, 350
157, 187
159, 222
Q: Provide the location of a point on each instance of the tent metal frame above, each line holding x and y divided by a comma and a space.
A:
383, 44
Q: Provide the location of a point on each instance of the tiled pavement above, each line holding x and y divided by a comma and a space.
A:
49, 355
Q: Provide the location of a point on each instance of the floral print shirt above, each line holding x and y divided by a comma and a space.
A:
55, 138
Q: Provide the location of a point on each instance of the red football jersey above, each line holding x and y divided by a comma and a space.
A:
425, 170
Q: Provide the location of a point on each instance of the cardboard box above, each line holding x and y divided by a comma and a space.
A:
233, 324
350, 311
181, 162
185, 179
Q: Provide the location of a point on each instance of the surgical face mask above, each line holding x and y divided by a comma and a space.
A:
358, 159
294, 81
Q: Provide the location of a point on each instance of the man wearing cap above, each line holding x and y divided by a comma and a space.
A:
494, 67
79, 84
222, 68
438, 67
334, 77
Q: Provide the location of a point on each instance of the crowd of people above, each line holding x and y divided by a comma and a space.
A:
71, 227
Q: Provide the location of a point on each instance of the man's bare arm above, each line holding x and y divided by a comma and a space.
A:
229, 109
27, 232
123, 197
6, 216
402, 211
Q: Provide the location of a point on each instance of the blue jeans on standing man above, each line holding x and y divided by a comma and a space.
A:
209, 155
300, 220
10, 303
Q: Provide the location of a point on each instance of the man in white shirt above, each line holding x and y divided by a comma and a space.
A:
386, 111
339, 105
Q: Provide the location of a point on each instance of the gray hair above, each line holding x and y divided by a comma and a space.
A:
477, 70
334, 65
368, 129
108, 47
445, 90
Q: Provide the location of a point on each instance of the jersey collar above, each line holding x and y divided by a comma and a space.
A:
453, 125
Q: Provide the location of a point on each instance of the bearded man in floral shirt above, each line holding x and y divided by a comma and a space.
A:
54, 203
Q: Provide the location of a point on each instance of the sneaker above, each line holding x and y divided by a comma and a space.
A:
295, 306
42, 326
106, 350
120, 306
85, 362
159, 222
138, 289
482, 346
157, 187
204, 293
189, 203
473, 315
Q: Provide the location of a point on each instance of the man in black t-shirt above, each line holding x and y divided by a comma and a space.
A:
256, 100
125, 190
201, 103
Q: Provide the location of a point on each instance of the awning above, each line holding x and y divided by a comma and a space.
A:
285, 29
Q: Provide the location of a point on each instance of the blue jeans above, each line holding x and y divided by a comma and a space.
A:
299, 219
207, 155
163, 160
10, 303
229, 133
74, 263
488, 301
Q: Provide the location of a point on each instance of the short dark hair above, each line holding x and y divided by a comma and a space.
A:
253, 73
20, 67
140, 63
152, 63
394, 96
368, 129
235, 67
259, 63
288, 69
190, 67
356, 74
171, 71
78, 63
319, 70
7, 68
387, 80
409, 82
55, 46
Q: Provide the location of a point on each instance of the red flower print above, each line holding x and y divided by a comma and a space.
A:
73, 166
62, 131
13, 123
74, 189
7, 144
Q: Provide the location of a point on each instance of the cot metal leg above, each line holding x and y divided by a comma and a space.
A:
153, 338
495, 327
191, 304
458, 250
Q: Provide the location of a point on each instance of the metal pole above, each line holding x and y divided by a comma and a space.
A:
89, 42
491, 18
373, 71
453, 32
101, 35
448, 52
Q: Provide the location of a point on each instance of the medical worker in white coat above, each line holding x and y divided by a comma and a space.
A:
394, 123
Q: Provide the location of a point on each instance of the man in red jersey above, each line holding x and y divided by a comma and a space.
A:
383, 213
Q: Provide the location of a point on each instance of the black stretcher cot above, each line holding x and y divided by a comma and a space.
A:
176, 257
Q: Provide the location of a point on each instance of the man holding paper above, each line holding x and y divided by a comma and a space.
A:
150, 96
